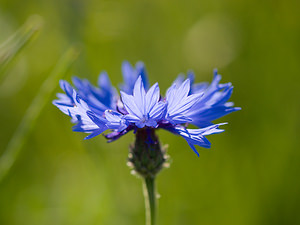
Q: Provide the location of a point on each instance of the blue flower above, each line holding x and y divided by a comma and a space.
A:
98, 98
180, 102
99, 109
144, 109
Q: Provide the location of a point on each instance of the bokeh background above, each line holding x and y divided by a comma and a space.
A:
250, 176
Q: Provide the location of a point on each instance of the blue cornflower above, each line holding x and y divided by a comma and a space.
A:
99, 109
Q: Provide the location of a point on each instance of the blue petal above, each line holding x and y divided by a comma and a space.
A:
183, 90
152, 97
179, 119
94, 134
158, 111
139, 95
104, 82
130, 75
131, 118
193, 148
141, 71
130, 106
99, 99
213, 104
66, 87
115, 120
100, 122
196, 136
144, 109
65, 100
151, 123
179, 102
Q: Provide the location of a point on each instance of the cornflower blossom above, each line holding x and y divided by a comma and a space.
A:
99, 109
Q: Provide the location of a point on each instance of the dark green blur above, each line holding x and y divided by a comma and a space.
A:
250, 176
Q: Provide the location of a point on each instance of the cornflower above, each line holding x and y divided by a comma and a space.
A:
142, 109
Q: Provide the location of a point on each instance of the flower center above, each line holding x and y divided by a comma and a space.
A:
145, 118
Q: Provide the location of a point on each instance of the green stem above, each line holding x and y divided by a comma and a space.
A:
150, 200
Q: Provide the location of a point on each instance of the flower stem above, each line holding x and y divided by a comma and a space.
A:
150, 200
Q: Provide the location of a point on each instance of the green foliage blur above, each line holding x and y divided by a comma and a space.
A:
250, 176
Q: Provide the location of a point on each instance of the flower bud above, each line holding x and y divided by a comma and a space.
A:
146, 156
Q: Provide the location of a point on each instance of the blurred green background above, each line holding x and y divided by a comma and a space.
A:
249, 177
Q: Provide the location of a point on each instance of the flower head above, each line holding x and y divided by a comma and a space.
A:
98, 109
144, 108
